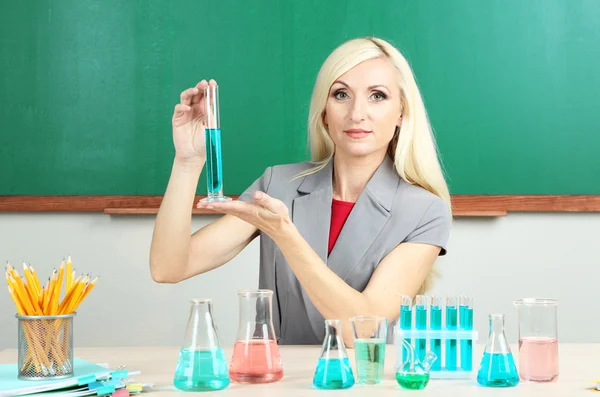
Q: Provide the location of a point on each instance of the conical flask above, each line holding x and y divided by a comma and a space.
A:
201, 365
497, 368
256, 353
333, 368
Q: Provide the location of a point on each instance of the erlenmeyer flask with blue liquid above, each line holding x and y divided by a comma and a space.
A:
334, 370
497, 368
201, 365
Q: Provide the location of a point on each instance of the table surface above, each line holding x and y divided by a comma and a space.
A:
579, 367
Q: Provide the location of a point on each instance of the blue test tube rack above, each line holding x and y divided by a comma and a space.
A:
461, 366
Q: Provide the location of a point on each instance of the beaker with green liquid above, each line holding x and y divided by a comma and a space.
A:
370, 336
201, 365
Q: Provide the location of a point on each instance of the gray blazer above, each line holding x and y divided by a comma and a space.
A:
388, 212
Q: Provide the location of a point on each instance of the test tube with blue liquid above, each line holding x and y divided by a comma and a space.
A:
466, 323
451, 325
421, 324
435, 323
212, 133
406, 320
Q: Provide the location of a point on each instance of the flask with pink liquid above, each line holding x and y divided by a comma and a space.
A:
255, 356
538, 339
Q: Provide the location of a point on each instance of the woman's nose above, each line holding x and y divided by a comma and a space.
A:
357, 113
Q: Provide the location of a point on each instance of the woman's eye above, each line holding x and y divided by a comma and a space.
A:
340, 95
379, 96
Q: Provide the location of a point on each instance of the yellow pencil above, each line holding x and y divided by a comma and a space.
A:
15, 299
30, 282
65, 302
76, 295
35, 278
22, 294
70, 273
48, 296
57, 289
88, 288
34, 301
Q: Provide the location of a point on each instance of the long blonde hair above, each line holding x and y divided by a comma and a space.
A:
413, 148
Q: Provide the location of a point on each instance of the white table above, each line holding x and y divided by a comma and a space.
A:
579, 365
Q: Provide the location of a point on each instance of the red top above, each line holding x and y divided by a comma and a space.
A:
339, 213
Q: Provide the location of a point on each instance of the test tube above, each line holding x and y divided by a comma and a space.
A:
451, 325
466, 323
435, 323
212, 135
421, 324
406, 321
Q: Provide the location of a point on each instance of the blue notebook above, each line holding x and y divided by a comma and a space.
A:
84, 372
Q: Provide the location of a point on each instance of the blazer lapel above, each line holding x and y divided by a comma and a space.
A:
311, 214
367, 219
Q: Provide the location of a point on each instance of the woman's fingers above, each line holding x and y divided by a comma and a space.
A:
181, 109
186, 96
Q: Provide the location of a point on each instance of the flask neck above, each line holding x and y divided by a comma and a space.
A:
256, 319
497, 323
256, 309
201, 331
333, 335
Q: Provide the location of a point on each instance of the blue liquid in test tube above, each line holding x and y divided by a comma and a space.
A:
451, 325
406, 320
421, 324
435, 323
466, 323
212, 134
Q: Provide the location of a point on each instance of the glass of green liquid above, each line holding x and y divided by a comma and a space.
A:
370, 338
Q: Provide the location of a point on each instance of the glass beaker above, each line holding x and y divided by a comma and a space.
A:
370, 336
212, 135
538, 339
497, 368
333, 368
201, 365
256, 353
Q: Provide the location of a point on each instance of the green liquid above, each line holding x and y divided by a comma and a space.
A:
370, 359
412, 381
201, 370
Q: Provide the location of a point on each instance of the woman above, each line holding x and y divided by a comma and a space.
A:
347, 234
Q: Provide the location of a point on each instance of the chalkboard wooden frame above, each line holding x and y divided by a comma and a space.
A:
463, 205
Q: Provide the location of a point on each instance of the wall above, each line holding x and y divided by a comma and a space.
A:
494, 260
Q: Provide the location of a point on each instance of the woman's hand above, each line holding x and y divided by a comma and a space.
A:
265, 213
188, 124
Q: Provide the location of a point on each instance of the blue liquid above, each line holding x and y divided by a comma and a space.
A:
466, 346
201, 370
421, 320
451, 318
333, 373
436, 344
498, 370
405, 323
214, 166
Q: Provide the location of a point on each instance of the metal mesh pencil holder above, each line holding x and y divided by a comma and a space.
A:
45, 349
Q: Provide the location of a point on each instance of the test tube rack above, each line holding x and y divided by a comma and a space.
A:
444, 335
455, 344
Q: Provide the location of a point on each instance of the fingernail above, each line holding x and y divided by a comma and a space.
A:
259, 195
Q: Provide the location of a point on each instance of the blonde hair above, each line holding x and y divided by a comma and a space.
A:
413, 148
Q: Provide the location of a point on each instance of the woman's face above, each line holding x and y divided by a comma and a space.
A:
363, 109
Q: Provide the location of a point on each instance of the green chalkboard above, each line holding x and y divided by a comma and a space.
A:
87, 87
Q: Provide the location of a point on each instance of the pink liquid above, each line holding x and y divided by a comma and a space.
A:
538, 359
255, 362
